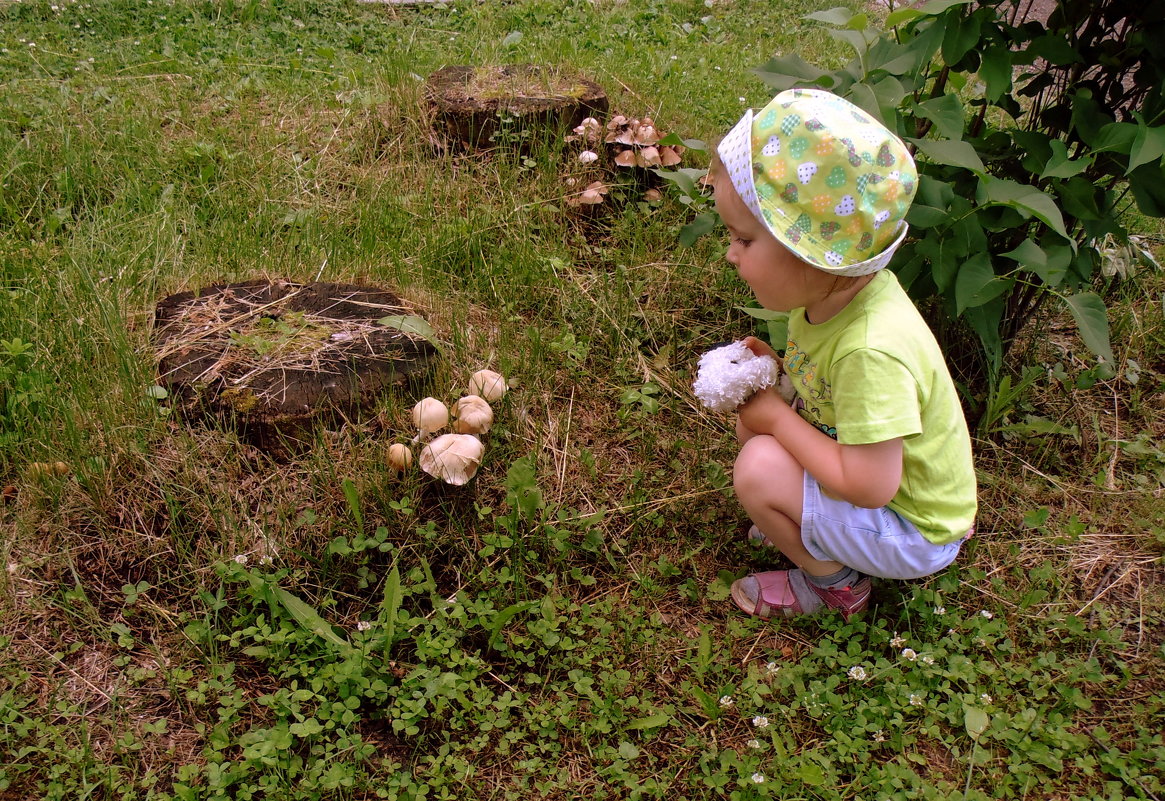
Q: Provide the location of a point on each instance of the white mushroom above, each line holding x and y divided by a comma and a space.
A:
472, 415
587, 156
429, 416
487, 384
399, 456
453, 458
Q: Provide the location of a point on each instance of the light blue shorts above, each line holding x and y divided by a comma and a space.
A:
877, 542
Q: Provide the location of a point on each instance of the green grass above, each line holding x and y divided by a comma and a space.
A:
183, 616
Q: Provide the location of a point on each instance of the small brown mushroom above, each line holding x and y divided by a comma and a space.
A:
625, 158
399, 457
648, 157
668, 157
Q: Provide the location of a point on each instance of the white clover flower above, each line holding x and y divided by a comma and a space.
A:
857, 673
979, 641
950, 632
896, 641
726, 701
909, 653
761, 722
241, 559
265, 559
587, 156
926, 659
754, 744
363, 625
986, 614
940, 610
879, 736
915, 699
742, 100
758, 778
985, 698
772, 668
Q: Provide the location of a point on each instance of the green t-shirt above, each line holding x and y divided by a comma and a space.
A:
874, 372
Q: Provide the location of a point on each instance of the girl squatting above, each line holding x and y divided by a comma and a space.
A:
868, 472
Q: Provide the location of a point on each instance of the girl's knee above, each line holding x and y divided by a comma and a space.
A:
763, 464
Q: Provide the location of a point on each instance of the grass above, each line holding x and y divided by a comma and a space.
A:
186, 617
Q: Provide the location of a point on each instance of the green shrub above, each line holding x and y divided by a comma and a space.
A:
1034, 138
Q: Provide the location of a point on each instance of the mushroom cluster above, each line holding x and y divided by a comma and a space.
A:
453, 458
611, 149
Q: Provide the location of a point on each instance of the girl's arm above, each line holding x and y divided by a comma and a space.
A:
864, 475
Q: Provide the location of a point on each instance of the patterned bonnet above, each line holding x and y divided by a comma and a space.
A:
830, 182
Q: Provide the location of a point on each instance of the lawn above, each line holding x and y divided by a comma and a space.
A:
188, 615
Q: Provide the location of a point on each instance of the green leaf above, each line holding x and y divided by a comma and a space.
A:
1032, 258
930, 9
674, 138
1092, 319
512, 38
995, 72
960, 37
353, 498
703, 224
650, 722
307, 617
1061, 165
985, 321
410, 324
503, 617
684, 178
975, 721
810, 773
1116, 137
977, 283
1026, 199
1147, 147
946, 112
783, 72
841, 17
922, 216
1078, 197
952, 154
157, 392
1148, 185
389, 606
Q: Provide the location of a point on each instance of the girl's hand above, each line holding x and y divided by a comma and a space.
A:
761, 414
761, 348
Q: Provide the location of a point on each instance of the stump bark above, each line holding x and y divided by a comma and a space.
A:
509, 106
277, 358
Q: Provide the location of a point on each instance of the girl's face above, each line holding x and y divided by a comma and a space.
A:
779, 280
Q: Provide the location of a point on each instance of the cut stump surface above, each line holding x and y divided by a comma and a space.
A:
277, 357
481, 107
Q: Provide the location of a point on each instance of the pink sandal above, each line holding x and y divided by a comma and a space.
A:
790, 593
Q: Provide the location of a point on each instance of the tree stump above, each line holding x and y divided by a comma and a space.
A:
509, 106
276, 358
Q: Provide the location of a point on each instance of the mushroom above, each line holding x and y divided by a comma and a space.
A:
487, 383
648, 157
587, 156
653, 195
453, 458
472, 415
429, 416
616, 121
626, 158
645, 134
668, 157
399, 457
593, 193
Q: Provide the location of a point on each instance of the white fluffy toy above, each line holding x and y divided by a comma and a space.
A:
728, 376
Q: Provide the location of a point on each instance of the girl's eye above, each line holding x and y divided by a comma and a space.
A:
742, 241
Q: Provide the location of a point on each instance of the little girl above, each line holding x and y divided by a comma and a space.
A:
869, 472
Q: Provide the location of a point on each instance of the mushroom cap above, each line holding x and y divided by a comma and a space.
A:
668, 157
430, 415
399, 456
453, 458
487, 383
472, 415
626, 158
648, 157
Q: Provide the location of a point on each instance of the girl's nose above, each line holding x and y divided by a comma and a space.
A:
733, 255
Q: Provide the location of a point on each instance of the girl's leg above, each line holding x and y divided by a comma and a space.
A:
769, 483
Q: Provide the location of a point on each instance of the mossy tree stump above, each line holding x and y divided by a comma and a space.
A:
276, 358
509, 106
